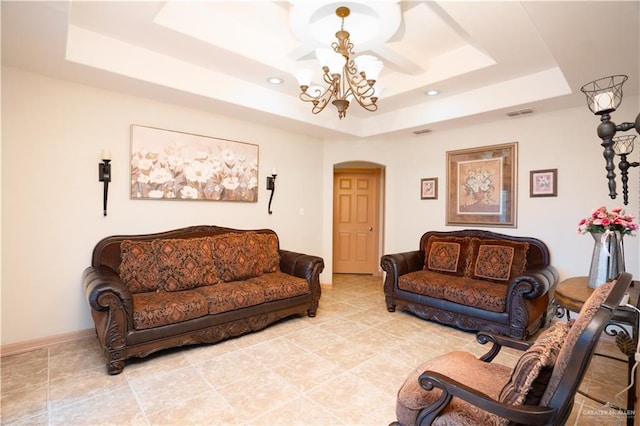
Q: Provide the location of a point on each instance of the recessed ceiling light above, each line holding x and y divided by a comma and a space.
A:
431, 92
275, 80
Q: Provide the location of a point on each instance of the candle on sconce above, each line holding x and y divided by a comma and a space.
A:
274, 171
106, 154
603, 101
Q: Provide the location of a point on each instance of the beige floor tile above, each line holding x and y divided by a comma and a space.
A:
205, 409
313, 338
116, 408
255, 395
23, 404
19, 375
71, 389
275, 350
199, 353
161, 391
307, 372
156, 364
228, 368
300, 411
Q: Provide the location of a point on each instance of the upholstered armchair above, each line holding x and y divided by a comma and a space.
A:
457, 388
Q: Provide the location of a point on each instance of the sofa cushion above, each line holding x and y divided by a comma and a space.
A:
138, 269
464, 367
236, 256
184, 264
278, 285
268, 252
155, 309
481, 294
425, 282
496, 260
533, 370
228, 296
448, 255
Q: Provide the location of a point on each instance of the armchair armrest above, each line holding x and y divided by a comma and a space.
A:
521, 414
304, 266
484, 337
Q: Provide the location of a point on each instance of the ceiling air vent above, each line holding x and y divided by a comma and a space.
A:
518, 113
422, 131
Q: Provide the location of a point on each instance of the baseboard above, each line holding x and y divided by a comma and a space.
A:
326, 285
30, 345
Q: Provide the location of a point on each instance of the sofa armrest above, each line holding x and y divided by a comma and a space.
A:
402, 263
101, 280
304, 266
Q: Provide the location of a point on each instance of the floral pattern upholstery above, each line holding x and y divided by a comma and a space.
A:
448, 255
184, 264
267, 252
228, 296
427, 283
533, 370
138, 269
155, 309
278, 285
481, 294
236, 256
496, 260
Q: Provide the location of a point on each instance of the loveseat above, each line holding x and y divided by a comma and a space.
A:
199, 284
475, 280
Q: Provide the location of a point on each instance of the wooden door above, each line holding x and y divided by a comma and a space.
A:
355, 220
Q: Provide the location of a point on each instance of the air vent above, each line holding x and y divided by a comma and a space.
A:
518, 113
422, 131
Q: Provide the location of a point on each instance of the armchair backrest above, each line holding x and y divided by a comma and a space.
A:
580, 345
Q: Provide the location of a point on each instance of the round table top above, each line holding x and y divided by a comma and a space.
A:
573, 292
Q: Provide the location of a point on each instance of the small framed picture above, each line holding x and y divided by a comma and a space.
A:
429, 189
543, 183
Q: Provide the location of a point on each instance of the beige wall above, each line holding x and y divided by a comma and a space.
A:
565, 140
53, 132
52, 136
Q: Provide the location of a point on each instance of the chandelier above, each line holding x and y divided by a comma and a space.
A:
349, 79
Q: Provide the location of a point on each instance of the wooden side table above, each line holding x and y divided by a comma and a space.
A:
571, 294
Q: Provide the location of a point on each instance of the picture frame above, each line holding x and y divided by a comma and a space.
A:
429, 188
482, 186
543, 183
172, 165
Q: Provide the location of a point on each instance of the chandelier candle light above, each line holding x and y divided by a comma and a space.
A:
349, 79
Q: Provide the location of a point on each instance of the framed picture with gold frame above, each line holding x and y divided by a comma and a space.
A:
481, 186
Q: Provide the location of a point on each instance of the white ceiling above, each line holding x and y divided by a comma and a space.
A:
485, 58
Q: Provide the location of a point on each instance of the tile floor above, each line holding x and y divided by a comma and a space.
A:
342, 367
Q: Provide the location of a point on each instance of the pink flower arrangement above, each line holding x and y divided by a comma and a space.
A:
602, 221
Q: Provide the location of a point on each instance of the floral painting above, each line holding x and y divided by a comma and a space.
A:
543, 183
181, 166
481, 186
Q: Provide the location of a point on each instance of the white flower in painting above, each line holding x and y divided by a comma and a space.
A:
253, 182
189, 192
160, 175
202, 155
145, 164
198, 171
230, 183
142, 178
175, 163
155, 194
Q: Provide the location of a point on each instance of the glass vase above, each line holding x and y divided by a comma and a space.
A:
607, 260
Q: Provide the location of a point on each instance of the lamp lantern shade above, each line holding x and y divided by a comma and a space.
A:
605, 94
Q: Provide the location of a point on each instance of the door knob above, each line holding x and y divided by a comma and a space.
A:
371, 228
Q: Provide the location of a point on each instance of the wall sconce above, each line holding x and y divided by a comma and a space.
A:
623, 146
271, 186
104, 175
603, 97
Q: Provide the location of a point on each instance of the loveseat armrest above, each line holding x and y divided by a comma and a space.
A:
396, 265
528, 297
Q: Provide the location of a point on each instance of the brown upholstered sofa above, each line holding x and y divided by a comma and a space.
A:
199, 284
474, 280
